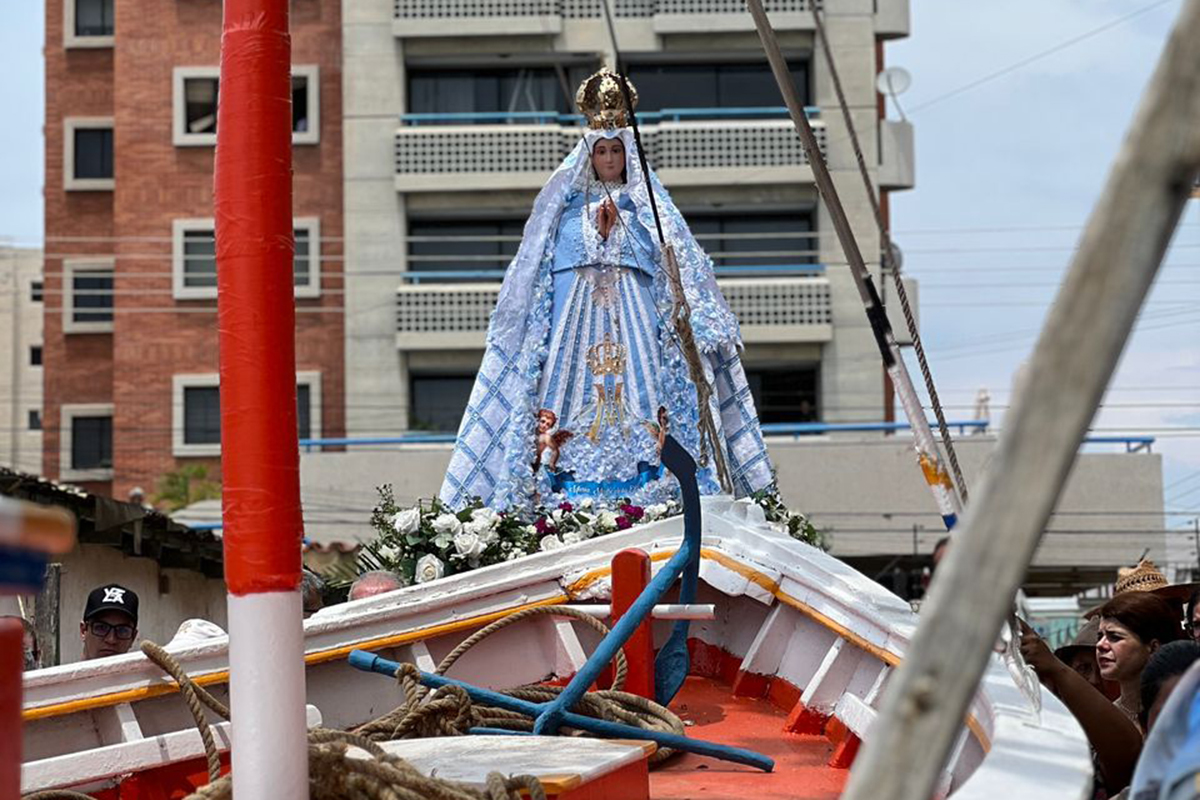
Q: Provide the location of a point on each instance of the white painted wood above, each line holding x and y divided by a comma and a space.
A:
422, 657
661, 611
469, 759
267, 695
569, 656
946, 780
855, 715
1087, 327
830, 679
766, 651
131, 731
106, 762
873, 693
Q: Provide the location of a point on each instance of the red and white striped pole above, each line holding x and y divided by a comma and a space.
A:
260, 457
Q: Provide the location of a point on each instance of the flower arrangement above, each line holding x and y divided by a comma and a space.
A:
429, 540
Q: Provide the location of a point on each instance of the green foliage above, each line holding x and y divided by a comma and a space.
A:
186, 485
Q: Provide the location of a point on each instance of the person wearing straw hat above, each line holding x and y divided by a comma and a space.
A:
1146, 577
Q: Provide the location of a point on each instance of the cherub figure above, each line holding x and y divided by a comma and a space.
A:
549, 439
659, 429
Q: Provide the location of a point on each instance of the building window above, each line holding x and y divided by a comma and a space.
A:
440, 245
35, 355
196, 416
88, 154
88, 23
88, 299
35, 419
785, 394
197, 89
744, 241
86, 442
194, 258
495, 90
437, 402
702, 84
36, 289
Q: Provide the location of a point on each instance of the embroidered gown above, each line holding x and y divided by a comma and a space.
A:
600, 378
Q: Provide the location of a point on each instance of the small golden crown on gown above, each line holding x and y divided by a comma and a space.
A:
601, 100
606, 358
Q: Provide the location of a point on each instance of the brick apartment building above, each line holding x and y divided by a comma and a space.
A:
130, 308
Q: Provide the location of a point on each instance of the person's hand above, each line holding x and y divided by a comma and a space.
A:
606, 218
1037, 653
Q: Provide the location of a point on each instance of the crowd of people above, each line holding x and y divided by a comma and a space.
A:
109, 625
1117, 674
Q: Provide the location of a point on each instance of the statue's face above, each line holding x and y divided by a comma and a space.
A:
608, 157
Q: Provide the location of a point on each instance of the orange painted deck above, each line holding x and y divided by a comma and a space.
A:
801, 761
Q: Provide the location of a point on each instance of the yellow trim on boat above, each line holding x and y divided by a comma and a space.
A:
318, 657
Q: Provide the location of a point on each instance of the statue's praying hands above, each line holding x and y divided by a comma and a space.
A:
606, 218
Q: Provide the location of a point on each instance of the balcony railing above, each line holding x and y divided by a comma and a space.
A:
441, 316
420, 18
518, 150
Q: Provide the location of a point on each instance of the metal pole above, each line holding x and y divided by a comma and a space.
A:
260, 450
1086, 329
936, 476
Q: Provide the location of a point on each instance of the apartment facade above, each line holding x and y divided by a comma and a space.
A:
457, 111
21, 359
130, 311
422, 133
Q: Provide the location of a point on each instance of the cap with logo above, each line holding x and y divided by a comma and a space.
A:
111, 597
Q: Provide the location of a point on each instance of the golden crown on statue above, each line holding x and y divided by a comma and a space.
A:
601, 100
606, 358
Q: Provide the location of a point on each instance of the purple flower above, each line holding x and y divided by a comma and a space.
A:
633, 512
544, 526
565, 507
623, 523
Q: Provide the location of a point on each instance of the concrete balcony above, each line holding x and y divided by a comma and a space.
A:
441, 316
741, 147
457, 18
897, 169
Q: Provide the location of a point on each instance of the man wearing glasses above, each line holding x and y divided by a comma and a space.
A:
109, 621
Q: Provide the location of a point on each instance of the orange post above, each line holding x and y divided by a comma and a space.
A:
630, 574
12, 663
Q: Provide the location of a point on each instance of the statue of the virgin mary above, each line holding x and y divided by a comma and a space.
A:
585, 372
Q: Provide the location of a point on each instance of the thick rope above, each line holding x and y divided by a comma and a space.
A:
448, 711
334, 773
889, 260
193, 695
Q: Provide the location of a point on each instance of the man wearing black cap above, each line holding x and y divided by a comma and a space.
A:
109, 621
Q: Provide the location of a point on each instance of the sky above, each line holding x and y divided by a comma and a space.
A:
1007, 171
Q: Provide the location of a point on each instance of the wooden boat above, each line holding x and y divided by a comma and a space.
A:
792, 664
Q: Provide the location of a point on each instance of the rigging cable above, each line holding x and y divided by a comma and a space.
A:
888, 258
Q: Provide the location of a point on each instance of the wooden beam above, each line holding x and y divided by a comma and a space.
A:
1118, 257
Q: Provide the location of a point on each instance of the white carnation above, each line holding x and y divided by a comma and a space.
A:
656, 511
606, 520
571, 538
550, 542
429, 568
407, 521
587, 503
530, 529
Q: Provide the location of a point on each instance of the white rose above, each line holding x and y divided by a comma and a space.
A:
557, 515
587, 503
390, 552
571, 538
550, 542
429, 568
586, 531
467, 544
606, 520
447, 523
407, 521
446, 527
656, 511
485, 515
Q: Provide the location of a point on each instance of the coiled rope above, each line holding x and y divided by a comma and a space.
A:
448, 711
